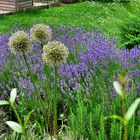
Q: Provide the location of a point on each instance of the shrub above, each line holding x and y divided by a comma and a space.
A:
69, 1
43, 1
131, 33
113, 0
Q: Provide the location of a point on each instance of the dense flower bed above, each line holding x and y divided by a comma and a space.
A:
84, 93
92, 56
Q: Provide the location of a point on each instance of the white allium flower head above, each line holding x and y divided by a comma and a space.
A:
55, 53
20, 42
41, 32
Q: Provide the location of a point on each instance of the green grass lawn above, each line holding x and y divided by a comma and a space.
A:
108, 18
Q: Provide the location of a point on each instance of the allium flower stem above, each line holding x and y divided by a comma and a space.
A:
42, 43
55, 100
30, 72
33, 82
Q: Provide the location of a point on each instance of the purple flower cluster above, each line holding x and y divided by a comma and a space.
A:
97, 61
4, 50
14, 72
92, 64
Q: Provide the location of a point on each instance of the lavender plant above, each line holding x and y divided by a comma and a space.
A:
92, 63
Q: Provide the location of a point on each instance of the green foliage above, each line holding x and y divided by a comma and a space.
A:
88, 120
116, 130
2, 102
120, 87
105, 0
69, 1
78, 117
131, 32
108, 1
131, 110
15, 126
113, 0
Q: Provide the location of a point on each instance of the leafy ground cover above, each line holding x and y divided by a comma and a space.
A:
108, 17
85, 87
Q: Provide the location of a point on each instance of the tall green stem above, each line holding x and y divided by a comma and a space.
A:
19, 120
124, 120
33, 82
30, 72
55, 100
15, 111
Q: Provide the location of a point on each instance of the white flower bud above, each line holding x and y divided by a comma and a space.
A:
118, 87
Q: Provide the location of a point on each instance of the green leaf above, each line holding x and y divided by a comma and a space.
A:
27, 118
13, 135
118, 87
114, 117
131, 110
15, 126
13, 95
3, 102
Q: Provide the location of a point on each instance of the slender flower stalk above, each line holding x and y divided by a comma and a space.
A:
36, 91
33, 82
55, 99
55, 53
30, 72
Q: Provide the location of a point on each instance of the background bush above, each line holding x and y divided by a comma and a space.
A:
113, 0
131, 33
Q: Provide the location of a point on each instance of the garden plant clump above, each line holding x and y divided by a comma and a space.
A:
64, 85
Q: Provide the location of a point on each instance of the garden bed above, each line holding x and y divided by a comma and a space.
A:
85, 93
